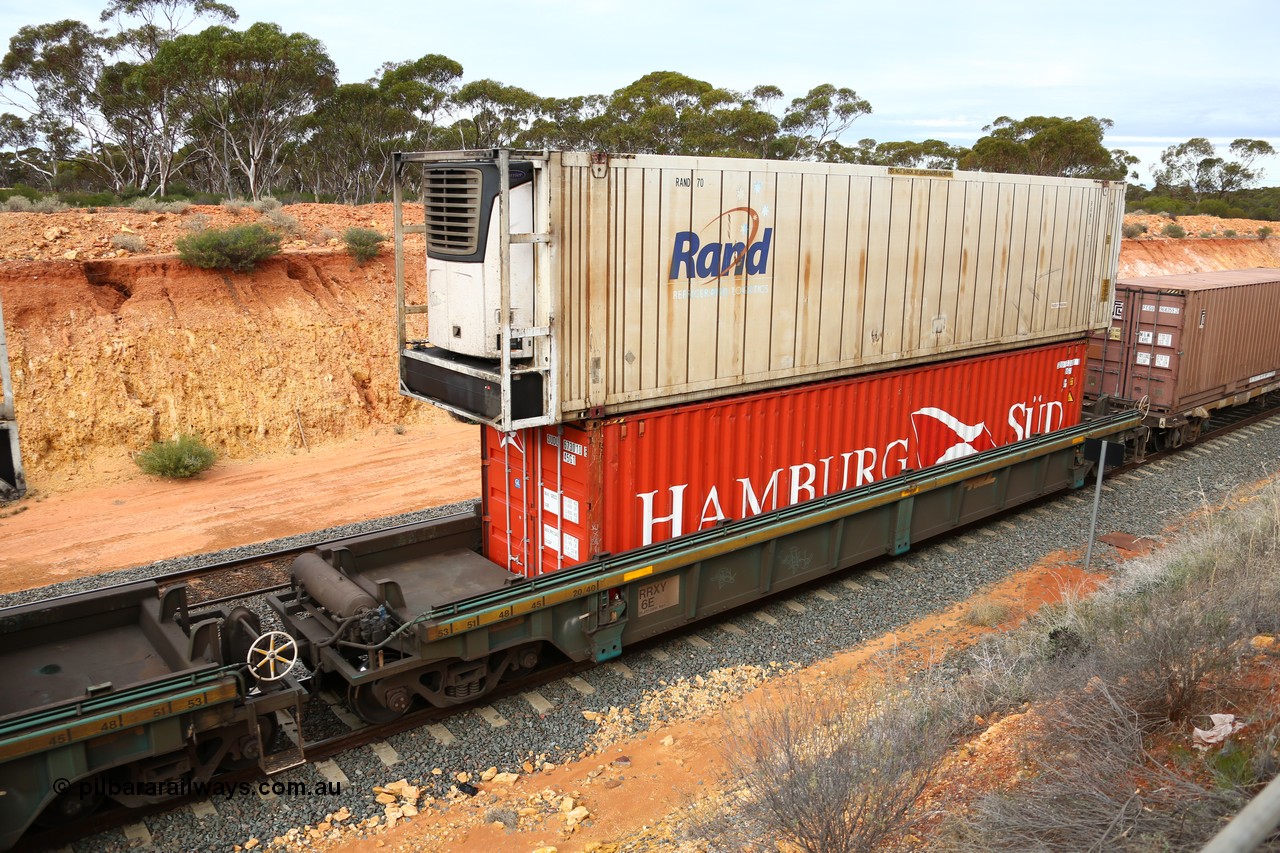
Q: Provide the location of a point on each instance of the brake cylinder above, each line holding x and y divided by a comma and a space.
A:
333, 590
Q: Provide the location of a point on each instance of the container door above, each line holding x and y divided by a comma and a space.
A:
508, 468
566, 458
1157, 335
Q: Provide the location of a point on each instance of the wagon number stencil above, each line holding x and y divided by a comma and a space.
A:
658, 595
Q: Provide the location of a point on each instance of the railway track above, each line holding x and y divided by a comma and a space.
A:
243, 574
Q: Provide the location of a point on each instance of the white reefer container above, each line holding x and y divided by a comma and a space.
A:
565, 285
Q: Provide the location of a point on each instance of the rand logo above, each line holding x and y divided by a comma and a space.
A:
691, 258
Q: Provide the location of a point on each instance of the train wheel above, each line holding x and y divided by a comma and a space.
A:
72, 805
361, 699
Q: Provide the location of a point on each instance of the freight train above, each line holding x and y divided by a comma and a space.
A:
716, 380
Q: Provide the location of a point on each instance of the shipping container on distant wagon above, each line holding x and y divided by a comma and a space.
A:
567, 285
1185, 345
555, 496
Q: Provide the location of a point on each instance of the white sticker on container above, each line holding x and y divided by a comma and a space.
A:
658, 595
551, 538
1144, 358
1164, 339
551, 501
570, 510
1117, 310
571, 546
1145, 337
1262, 376
1148, 307
1162, 361
1170, 309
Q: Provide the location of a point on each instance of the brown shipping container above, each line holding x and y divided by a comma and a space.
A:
555, 496
1190, 343
634, 282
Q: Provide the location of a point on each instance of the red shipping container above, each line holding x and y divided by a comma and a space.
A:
555, 496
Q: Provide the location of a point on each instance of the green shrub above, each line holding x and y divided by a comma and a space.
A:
1133, 229
49, 204
240, 248
1218, 207
986, 613
131, 243
283, 222
1206, 233
266, 204
1229, 233
235, 205
362, 243
88, 199
1264, 232
184, 456
1174, 230
18, 204
148, 204
1163, 204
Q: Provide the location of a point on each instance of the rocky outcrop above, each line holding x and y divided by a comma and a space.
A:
1168, 257
108, 356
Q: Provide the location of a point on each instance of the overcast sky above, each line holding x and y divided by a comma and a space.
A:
1163, 71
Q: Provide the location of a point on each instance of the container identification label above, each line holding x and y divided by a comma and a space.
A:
555, 503
658, 595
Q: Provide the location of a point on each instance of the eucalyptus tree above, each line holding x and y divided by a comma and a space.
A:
247, 94
929, 154
98, 87
50, 77
421, 93
818, 118
1049, 145
492, 114
1194, 169
666, 112
149, 122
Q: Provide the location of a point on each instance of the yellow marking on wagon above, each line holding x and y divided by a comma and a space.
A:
637, 573
105, 724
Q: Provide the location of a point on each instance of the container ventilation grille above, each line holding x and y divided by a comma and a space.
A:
452, 198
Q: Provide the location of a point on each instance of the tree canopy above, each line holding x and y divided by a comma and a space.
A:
143, 104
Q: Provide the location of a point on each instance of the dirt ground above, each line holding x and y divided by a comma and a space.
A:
122, 519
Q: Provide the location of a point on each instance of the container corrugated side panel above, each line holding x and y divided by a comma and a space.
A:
615, 484
1231, 335
854, 269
